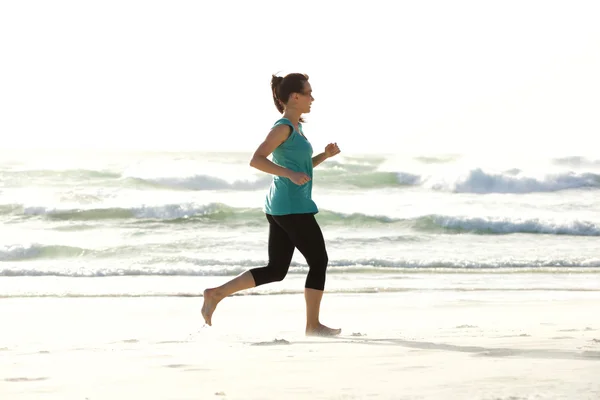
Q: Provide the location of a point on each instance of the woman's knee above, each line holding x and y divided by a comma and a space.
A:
323, 260
319, 264
276, 273
268, 274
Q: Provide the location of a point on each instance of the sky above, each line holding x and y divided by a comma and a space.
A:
387, 76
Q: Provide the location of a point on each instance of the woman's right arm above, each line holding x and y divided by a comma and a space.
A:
278, 135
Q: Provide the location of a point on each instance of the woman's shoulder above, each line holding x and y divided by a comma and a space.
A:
283, 121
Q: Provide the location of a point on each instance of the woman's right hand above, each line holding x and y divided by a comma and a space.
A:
299, 178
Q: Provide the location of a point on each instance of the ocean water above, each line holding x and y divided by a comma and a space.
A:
170, 224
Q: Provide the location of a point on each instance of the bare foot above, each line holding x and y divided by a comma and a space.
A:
321, 330
211, 299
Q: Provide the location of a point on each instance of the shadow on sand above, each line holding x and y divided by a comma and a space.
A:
475, 350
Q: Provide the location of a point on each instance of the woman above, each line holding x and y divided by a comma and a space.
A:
289, 207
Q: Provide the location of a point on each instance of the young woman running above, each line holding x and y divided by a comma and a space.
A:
289, 207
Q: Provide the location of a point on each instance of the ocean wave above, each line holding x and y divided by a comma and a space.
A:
201, 174
512, 181
577, 161
79, 214
473, 180
370, 180
433, 173
375, 240
440, 159
222, 213
207, 267
178, 213
37, 251
8, 209
80, 174
482, 225
186, 181
330, 178
159, 212
205, 182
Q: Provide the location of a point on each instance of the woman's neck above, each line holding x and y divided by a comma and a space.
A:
292, 115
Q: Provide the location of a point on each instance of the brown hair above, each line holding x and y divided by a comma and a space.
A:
283, 87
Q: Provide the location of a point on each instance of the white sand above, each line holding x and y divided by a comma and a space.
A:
416, 345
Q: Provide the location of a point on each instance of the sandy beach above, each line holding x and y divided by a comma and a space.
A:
405, 345
152, 150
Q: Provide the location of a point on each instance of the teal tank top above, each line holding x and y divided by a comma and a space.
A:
284, 196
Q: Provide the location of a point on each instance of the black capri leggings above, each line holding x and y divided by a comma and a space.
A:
287, 232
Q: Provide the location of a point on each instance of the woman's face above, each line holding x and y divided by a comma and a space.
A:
305, 99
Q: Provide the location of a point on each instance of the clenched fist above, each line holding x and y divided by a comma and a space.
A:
331, 150
299, 178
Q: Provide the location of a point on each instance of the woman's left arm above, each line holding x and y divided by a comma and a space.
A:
331, 150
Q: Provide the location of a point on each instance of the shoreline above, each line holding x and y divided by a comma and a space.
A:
544, 284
